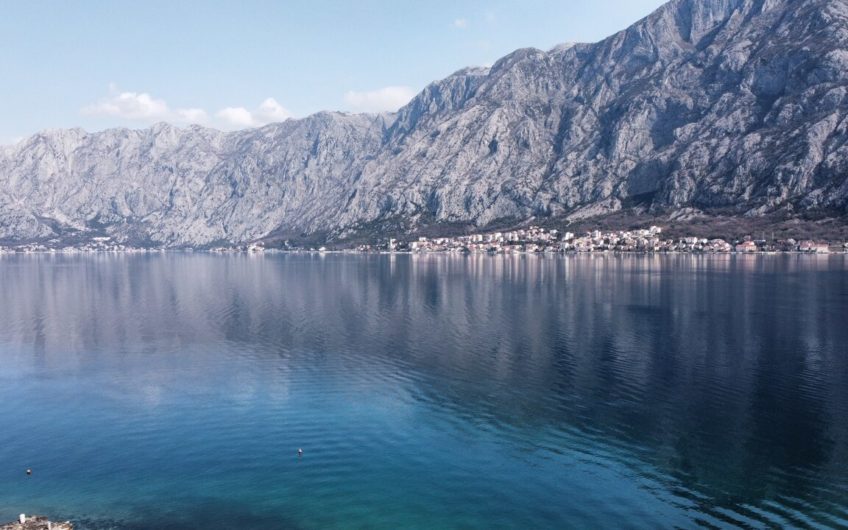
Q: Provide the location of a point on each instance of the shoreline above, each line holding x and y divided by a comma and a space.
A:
36, 522
75, 252
531, 240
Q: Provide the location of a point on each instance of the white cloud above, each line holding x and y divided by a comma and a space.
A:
142, 107
460, 23
268, 112
192, 116
238, 117
389, 98
130, 105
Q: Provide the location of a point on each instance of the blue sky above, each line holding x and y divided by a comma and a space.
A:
98, 64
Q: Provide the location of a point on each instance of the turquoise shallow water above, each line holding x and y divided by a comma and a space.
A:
172, 391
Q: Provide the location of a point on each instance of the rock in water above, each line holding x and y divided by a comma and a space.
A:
36, 522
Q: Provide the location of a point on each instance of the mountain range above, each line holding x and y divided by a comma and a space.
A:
716, 107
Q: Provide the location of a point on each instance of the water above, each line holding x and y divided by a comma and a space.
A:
173, 391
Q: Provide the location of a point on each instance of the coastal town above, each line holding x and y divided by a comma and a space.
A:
539, 240
530, 240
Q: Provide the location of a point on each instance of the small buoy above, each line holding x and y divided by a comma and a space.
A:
29, 471
300, 452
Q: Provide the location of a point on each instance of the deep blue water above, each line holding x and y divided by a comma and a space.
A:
173, 391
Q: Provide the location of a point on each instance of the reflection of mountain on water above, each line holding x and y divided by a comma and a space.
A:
724, 378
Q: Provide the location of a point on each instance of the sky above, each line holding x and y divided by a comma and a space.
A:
97, 64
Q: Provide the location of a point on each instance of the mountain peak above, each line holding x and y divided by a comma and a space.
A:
693, 19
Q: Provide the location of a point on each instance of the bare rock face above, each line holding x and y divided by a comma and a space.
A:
167, 186
732, 105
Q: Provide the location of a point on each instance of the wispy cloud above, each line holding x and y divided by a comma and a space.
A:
460, 23
144, 108
192, 116
389, 98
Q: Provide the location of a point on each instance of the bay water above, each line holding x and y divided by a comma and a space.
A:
173, 391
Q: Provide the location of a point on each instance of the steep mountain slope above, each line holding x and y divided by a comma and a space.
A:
714, 103
736, 106
183, 187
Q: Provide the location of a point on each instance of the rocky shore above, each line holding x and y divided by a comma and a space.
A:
36, 522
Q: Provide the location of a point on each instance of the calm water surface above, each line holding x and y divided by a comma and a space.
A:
172, 391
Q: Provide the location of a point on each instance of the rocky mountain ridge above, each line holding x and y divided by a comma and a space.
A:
731, 106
